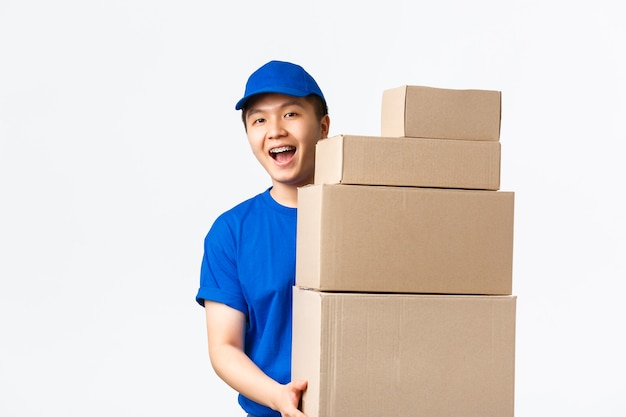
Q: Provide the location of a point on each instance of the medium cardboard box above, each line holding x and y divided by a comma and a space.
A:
440, 113
404, 239
392, 161
373, 355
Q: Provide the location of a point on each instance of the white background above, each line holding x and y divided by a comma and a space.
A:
119, 145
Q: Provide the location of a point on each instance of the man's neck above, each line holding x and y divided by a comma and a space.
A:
285, 195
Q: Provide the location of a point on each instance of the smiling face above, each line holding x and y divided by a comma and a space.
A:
282, 131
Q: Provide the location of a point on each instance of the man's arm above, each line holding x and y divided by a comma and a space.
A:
225, 331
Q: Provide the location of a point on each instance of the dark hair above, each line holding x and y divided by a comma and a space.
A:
319, 105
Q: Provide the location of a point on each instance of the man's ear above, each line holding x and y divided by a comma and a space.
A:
325, 126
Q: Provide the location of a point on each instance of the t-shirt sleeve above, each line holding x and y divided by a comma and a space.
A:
219, 280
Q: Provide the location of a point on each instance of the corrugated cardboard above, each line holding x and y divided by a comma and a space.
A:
404, 239
392, 161
428, 112
367, 355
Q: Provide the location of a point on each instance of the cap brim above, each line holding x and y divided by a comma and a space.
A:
287, 91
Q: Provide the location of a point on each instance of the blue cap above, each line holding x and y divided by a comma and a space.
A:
282, 78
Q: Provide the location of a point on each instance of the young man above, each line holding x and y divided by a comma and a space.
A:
248, 268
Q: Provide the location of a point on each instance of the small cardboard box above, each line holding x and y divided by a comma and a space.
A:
404, 239
392, 161
373, 355
440, 113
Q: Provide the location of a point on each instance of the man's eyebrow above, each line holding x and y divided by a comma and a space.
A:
294, 102
251, 111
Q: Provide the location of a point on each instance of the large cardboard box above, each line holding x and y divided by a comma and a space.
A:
373, 355
392, 161
404, 239
428, 112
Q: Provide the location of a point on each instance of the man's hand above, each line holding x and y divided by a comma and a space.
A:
289, 399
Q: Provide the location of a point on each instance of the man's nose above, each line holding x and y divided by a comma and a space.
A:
275, 128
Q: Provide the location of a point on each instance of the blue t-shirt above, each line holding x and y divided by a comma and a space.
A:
249, 264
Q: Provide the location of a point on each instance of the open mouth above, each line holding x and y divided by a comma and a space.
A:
282, 153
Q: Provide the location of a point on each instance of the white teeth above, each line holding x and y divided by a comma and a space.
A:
282, 149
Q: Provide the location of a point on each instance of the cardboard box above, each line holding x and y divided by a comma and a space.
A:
440, 113
368, 355
371, 160
404, 240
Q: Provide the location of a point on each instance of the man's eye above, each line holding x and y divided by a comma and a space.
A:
290, 114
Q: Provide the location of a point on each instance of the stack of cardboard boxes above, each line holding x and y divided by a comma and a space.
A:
403, 301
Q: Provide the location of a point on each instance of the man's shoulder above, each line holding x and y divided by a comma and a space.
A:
246, 205
243, 209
